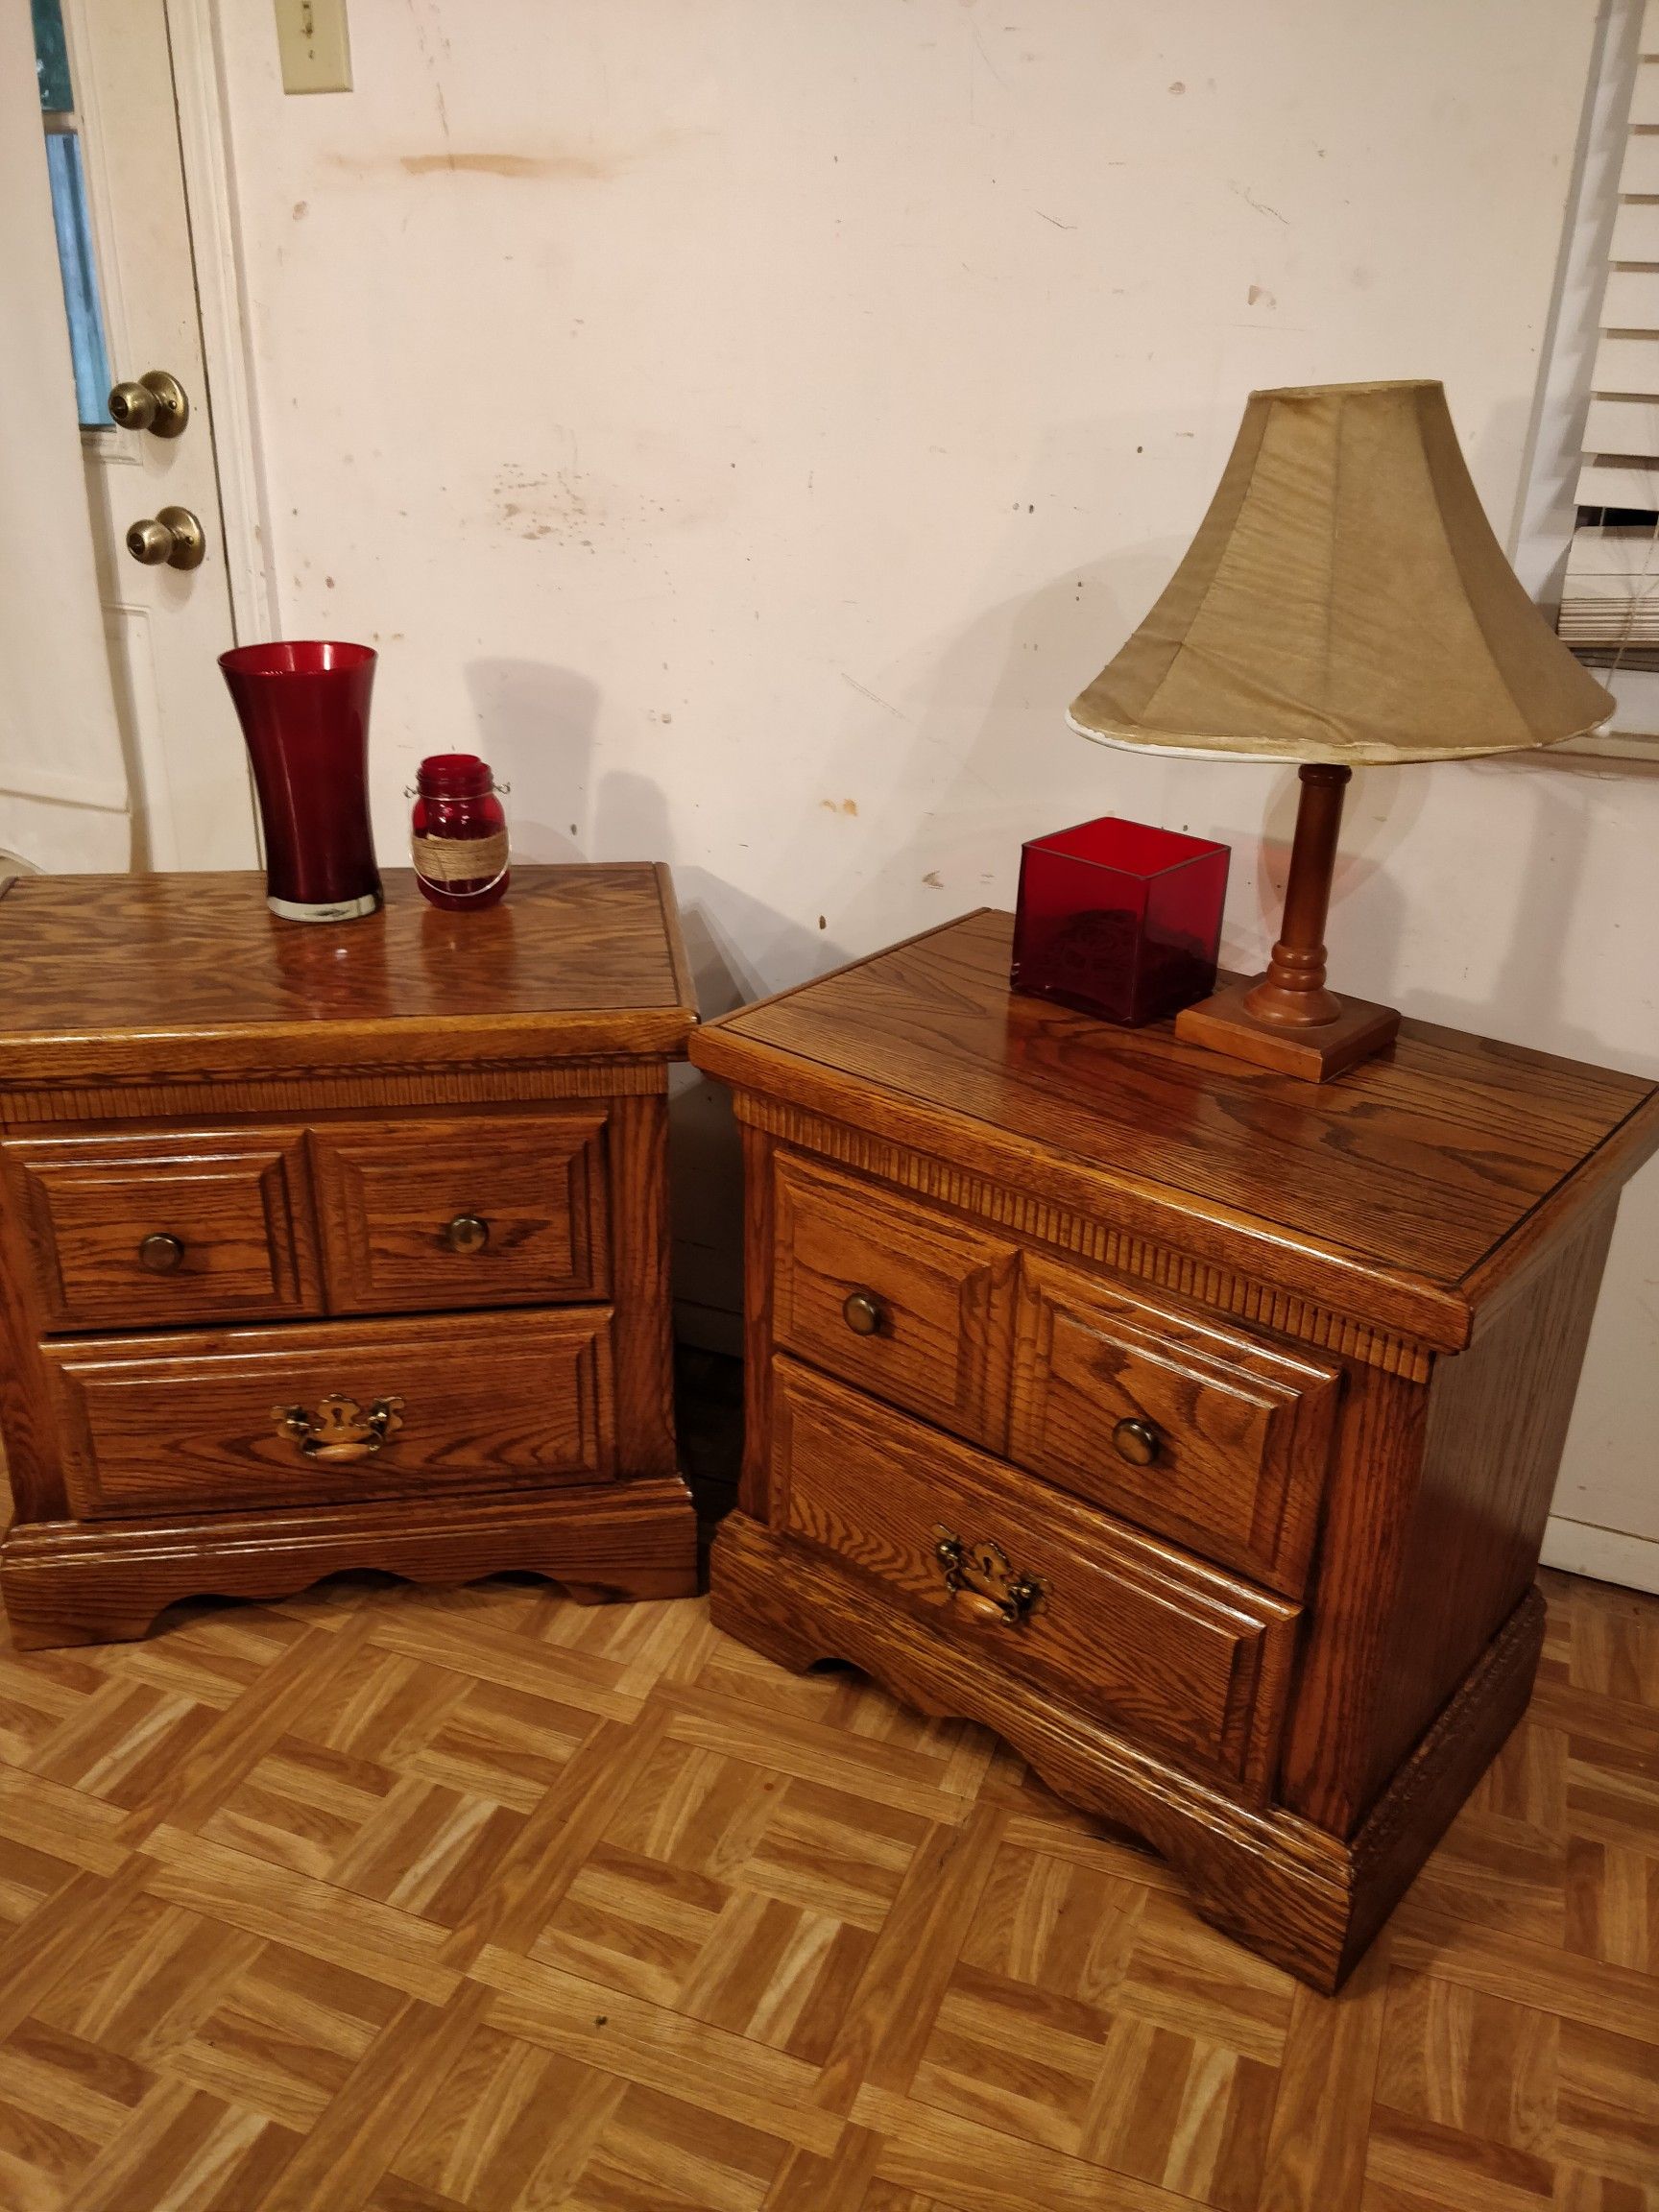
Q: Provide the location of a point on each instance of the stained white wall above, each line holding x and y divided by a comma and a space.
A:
750, 421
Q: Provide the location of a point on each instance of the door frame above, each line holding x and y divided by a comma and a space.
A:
222, 299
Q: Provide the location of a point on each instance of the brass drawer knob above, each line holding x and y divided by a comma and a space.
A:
161, 1254
862, 1312
1137, 1441
983, 1581
467, 1232
339, 1430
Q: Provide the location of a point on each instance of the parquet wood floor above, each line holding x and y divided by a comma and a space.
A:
389, 1901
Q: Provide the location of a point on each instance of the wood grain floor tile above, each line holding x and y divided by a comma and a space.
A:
1552, 1981
284, 2035
367, 2123
842, 2181
1608, 2117
979, 2169
375, 1939
556, 1839
1468, 2060
1433, 2165
58, 1819
655, 2047
1321, 2123
881, 2037
386, 1900
1014, 2058
146, 1981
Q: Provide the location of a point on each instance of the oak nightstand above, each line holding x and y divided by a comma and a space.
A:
1193, 1426
334, 1247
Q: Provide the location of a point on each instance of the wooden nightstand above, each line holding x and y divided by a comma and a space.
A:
1191, 1426
326, 1247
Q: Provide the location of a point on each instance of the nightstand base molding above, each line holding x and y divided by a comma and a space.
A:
1308, 1900
104, 1582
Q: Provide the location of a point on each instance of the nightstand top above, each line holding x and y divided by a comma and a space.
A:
127, 976
1412, 1184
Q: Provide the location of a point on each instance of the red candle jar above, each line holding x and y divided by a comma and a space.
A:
458, 833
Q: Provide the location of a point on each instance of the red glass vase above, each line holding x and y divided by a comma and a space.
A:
1119, 919
303, 706
458, 834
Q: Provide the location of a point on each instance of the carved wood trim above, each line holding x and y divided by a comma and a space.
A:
197, 1097
1501, 1679
67, 1582
1067, 1231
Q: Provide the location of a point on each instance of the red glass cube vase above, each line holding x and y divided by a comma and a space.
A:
1119, 919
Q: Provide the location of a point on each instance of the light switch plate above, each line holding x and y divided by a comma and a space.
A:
312, 41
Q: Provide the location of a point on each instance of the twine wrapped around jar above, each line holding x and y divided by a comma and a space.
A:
458, 833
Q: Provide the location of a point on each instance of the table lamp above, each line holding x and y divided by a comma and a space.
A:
1344, 603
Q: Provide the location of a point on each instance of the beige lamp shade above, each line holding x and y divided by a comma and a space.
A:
1345, 600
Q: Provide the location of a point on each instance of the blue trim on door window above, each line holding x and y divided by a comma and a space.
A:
80, 280
52, 59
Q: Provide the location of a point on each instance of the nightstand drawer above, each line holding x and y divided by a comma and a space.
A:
1190, 1429
145, 1232
484, 1210
1160, 1648
898, 1298
297, 1415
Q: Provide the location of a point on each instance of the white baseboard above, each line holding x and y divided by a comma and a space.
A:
1604, 1554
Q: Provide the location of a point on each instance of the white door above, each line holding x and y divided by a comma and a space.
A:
107, 94
64, 784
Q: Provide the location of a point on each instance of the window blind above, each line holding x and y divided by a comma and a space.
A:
1610, 596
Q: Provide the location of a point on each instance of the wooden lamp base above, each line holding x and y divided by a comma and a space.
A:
1286, 1019
1316, 1052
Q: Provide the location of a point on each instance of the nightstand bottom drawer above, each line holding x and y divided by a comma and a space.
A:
212, 1421
1174, 1654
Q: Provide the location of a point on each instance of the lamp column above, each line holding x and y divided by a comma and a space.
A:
1287, 1019
1293, 993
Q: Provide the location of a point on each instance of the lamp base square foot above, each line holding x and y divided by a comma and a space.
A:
1222, 1024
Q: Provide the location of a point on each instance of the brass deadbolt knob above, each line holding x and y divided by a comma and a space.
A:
1135, 1441
161, 1254
861, 1312
156, 403
172, 535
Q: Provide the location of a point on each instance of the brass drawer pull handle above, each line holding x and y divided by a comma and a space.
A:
339, 1430
467, 1232
161, 1254
1137, 1441
862, 1311
981, 1581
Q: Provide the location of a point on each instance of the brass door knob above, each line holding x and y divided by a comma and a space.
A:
174, 536
161, 1254
861, 1310
1137, 1441
467, 1232
156, 403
